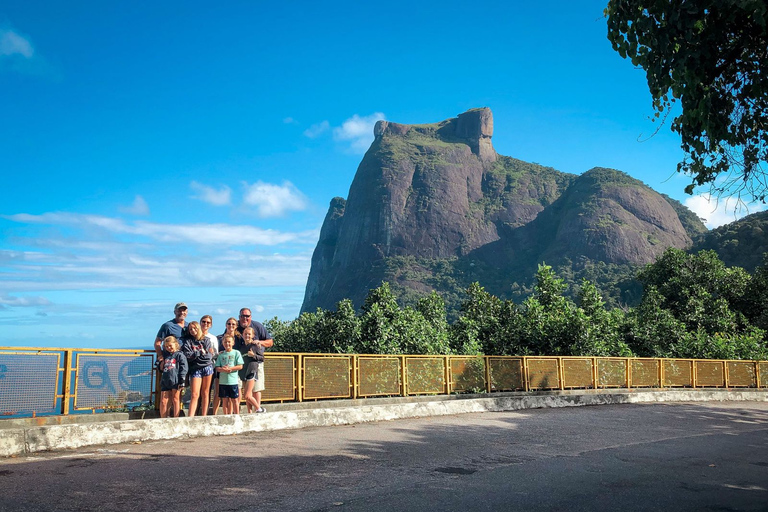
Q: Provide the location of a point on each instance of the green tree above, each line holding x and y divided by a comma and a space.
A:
472, 333
711, 56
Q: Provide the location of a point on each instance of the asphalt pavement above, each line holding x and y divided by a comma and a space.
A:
681, 456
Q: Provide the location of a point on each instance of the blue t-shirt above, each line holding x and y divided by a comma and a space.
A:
171, 328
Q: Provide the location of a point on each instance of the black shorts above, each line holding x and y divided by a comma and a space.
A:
172, 388
229, 391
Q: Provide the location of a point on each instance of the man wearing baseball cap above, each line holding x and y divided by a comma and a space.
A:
173, 327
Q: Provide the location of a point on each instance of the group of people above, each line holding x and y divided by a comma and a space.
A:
187, 354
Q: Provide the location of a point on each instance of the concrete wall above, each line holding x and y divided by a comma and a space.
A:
31, 439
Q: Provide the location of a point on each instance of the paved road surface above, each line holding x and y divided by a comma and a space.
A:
621, 457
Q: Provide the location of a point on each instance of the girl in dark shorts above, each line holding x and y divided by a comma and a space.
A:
252, 373
199, 354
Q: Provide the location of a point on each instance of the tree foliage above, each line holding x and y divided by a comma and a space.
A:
711, 57
692, 306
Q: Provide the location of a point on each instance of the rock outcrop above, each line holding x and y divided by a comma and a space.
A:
440, 193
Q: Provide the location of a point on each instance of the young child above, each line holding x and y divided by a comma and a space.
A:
228, 362
172, 381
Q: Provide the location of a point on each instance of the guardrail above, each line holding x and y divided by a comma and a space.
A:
44, 381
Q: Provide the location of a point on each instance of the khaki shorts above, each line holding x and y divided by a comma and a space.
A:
259, 384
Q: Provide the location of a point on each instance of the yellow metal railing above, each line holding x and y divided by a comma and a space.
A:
36, 381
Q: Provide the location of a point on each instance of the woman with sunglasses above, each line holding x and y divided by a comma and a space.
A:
205, 324
230, 329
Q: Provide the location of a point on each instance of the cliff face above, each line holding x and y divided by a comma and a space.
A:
440, 192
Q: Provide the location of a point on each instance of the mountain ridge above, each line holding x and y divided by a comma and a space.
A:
434, 207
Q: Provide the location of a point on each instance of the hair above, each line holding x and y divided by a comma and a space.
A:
228, 337
249, 328
209, 317
199, 331
228, 320
173, 342
245, 309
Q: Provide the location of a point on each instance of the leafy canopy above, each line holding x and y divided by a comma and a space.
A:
712, 57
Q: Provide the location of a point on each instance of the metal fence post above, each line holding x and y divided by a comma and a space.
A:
487, 360
403, 376
67, 383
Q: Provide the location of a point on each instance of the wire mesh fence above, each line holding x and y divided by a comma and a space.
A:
40, 381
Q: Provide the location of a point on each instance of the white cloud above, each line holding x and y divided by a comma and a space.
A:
216, 197
8, 300
138, 207
12, 43
289, 120
194, 234
108, 271
316, 130
273, 200
358, 131
719, 212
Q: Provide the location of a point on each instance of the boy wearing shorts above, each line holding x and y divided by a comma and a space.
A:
228, 362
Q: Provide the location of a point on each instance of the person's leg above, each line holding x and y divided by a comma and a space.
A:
250, 400
215, 395
258, 387
176, 402
194, 398
165, 403
205, 389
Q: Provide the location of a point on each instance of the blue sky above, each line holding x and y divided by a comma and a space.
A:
185, 152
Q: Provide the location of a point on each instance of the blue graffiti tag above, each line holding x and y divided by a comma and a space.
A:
97, 376
133, 374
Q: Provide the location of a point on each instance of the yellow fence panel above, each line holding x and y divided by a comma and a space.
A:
29, 382
710, 374
425, 375
109, 381
506, 373
543, 373
678, 373
467, 374
763, 370
577, 373
279, 378
741, 374
645, 373
378, 376
327, 377
612, 373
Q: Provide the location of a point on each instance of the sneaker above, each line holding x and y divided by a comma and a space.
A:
261, 409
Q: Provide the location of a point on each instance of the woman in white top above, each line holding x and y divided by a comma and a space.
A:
205, 324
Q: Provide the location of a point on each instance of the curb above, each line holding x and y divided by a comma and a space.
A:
32, 439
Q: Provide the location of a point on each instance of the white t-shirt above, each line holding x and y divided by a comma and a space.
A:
214, 343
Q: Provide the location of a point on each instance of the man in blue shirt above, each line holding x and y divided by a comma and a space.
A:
173, 327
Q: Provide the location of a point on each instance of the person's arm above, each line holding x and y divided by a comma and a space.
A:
183, 369
159, 348
265, 339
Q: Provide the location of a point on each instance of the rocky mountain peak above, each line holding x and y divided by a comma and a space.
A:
438, 196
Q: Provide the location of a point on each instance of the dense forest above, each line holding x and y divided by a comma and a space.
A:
692, 306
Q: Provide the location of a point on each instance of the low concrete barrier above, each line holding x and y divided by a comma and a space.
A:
31, 439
